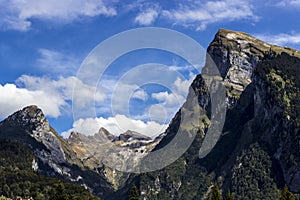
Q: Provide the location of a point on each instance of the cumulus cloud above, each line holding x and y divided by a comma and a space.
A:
170, 102
201, 13
177, 96
280, 39
63, 88
182, 86
116, 125
140, 94
195, 14
168, 99
18, 14
158, 113
52, 96
146, 17
13, 98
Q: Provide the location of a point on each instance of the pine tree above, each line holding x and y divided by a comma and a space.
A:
134, 194
286, 194
59, 192
228, 196
216, 194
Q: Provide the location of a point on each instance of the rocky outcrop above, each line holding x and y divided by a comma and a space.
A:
104, 151
259, 149
236, 55
242, 60
33, 123
79, 157
54, 155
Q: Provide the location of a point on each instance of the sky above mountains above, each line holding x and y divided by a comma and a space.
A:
44, 43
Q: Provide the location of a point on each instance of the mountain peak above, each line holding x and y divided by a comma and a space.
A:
236, 55
30, 127
242, 39
30, 111
31, 116
132, 135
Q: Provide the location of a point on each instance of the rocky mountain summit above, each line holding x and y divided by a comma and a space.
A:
30, 127
237, 54
256, 155
78, 157
258, 152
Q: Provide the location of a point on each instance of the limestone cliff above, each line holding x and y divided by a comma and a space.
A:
258, 151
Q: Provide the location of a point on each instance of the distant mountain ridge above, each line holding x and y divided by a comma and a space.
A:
77, 157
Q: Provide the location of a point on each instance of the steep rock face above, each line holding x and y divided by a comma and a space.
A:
277, 110
236, 54
79, 158
100, 150
32, 121
243, 60
259, 149
54, 156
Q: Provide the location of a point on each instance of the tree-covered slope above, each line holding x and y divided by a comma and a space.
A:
18, 177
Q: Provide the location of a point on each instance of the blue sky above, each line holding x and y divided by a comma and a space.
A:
43, 43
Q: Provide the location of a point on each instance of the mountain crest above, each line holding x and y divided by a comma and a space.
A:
30, 117
236, 54
132, 135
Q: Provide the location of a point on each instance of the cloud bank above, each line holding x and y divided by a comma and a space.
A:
18, 15
116, 125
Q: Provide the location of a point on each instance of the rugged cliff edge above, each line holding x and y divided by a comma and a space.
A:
77, 159
258, 152
54, 156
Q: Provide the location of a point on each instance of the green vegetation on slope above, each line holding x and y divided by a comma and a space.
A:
134, 194
216, 193
286, 194
283, 82
17, 178
252, 175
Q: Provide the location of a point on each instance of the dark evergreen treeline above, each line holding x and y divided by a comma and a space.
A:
18, 179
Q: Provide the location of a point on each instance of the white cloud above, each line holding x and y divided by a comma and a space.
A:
280, 39
57, 62
140, 94
13, 99
17, 14
289, 3
120, 97
169, 99
63, 88
200, 14
182, 68
146, 17
148, 11
121, 91
52, 96
158, 113
179, 92
170, 102
116, 125
182, 86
